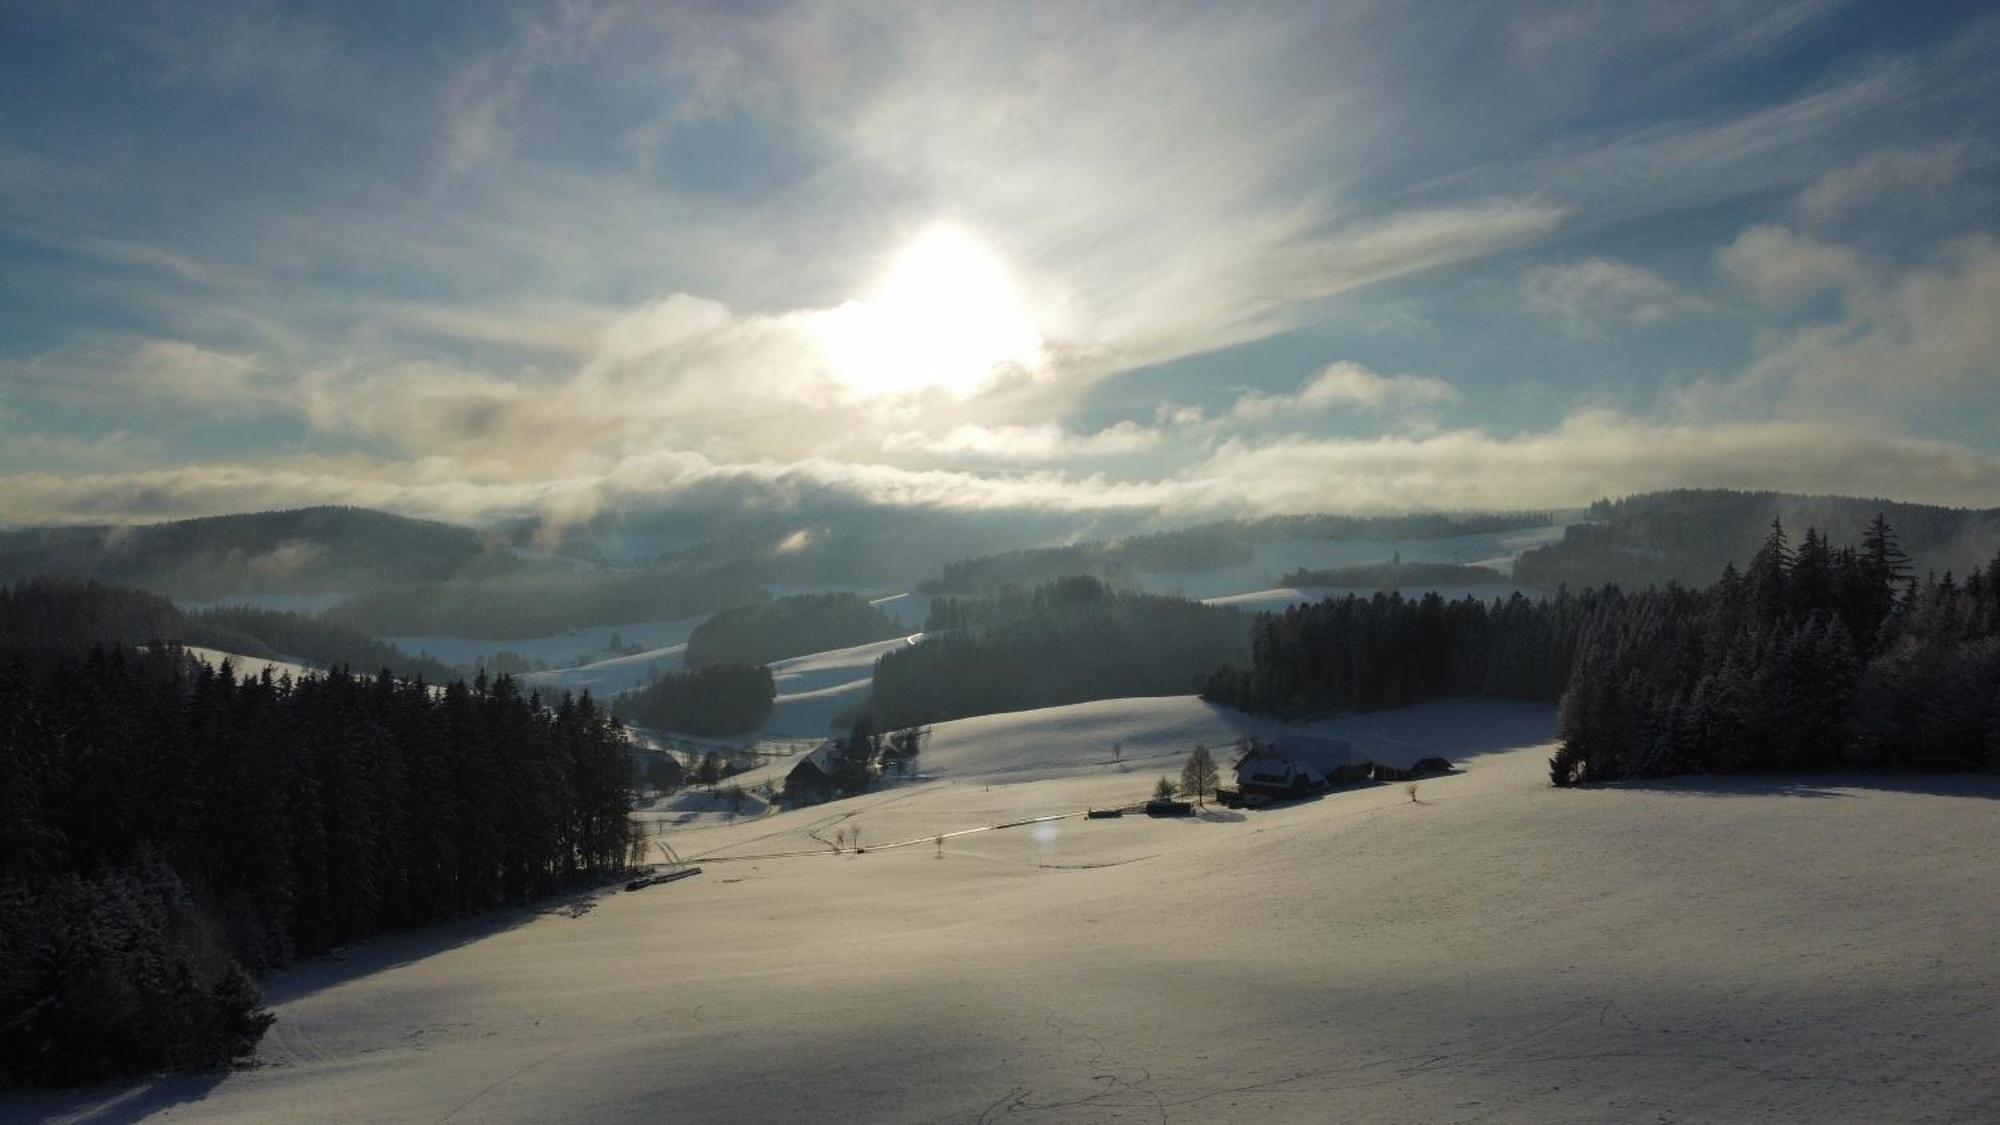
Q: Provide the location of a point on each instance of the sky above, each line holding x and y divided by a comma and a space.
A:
472, 262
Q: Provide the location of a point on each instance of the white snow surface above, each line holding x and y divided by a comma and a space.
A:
1775, 949
813, 689
252, 667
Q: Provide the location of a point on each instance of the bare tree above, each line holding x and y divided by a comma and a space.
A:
1199, 776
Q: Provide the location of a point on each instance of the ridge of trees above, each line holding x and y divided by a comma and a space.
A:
168, 830
1209, 546
299, 550
1394, 574
1811, 658
1688, 535
715, 699
1069, 641
1808, 658
60, 614
761, 632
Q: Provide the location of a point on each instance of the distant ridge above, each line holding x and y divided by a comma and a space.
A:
293, 551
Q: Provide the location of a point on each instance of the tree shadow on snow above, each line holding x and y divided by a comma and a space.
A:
112, 1105
393, 951
1846, 784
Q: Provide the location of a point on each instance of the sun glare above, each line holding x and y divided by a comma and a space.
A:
945, 315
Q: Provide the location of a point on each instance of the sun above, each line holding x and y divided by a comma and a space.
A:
945, 315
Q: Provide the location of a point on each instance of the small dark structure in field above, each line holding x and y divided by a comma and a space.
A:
1426, 767
1159, 807
810, 781
658, 768
1103, 814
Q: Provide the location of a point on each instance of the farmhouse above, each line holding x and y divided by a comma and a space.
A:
1294, 768
811, 781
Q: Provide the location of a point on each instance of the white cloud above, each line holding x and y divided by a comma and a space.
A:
1780, 267
1923, 339
1907, 175
1582, 296
1592, 453
1344, 386
1046, 442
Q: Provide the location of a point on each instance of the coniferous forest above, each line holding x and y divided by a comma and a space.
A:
712, 700
1809, 658
1068, 641
169, 831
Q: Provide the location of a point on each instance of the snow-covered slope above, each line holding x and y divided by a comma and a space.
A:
813, 689
251, 667
1803, 949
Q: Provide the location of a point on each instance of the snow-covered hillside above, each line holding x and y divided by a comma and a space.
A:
1706, 949
251, 667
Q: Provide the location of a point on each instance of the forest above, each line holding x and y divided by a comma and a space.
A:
1367, 653
714, 699
44, 613
1812, 657
761, 632
170, 831
1688, 535
1063, 642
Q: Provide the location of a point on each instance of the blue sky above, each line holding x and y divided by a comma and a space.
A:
1204, 260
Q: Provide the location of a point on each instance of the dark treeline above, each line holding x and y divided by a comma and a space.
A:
167, 831
1391, 574
1209, 546
1805, 659
715, 699
1068, 642
44, 615
1808, 659
761, 632
1688, 535
543, 604
1391, 651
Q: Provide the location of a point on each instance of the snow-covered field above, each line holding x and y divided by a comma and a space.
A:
1707, 949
